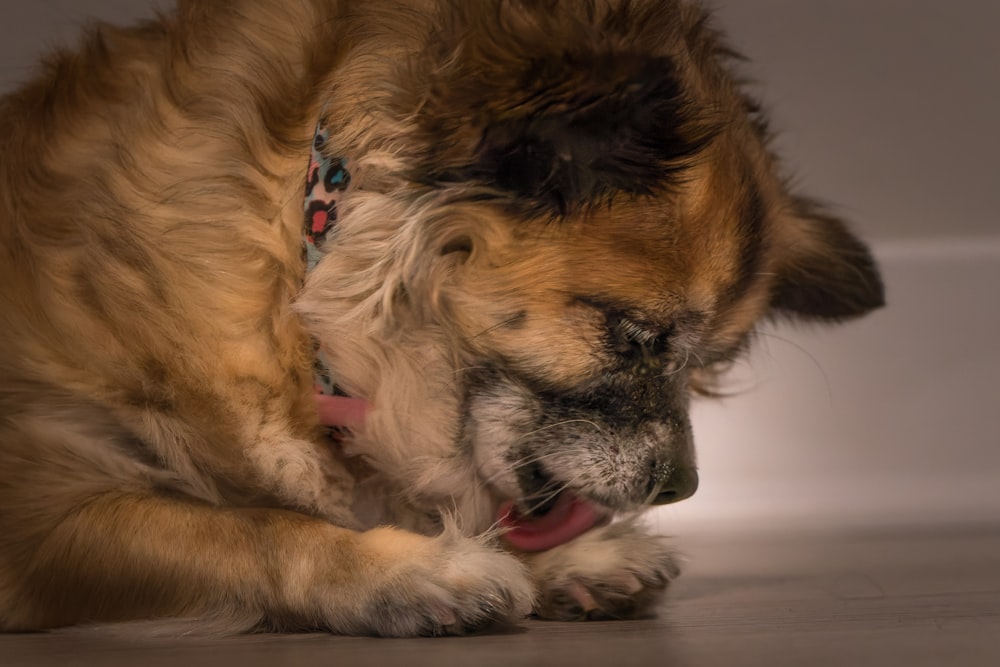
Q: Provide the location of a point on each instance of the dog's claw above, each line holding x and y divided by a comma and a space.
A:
631, 584
583, 597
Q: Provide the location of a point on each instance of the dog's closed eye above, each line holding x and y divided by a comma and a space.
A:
630, 338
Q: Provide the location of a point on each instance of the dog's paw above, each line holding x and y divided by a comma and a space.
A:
614, 572
449, 585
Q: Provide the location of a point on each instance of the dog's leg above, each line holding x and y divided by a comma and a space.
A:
301, 476
618, 571
122, 556
91, 532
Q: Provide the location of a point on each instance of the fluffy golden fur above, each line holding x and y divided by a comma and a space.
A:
563, 217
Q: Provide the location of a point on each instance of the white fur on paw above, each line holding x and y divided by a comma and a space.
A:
618, 571
457, 586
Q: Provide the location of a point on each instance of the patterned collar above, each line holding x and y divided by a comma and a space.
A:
326, 182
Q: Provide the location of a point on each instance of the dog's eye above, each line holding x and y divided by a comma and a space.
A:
636, 333
634, 340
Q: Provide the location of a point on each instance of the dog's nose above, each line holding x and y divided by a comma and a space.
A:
681, 483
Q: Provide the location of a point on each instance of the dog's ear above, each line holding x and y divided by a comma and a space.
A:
555, 107
825, 272
624, 127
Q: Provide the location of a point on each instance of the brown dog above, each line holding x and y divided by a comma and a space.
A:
562, 218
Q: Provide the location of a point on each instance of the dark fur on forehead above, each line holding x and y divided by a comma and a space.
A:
556, 105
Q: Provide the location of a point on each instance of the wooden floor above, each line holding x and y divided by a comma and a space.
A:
875, 597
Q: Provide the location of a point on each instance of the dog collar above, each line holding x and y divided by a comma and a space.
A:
326, 182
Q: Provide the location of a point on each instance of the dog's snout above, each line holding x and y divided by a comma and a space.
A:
677, 485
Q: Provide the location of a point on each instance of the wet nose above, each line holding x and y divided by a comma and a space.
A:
679, 484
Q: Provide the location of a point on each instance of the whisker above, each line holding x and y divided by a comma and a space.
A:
527, 460
687, 358
464, 369
562, 486
534, 458
521, 463
498, 325
596, 426
815, 362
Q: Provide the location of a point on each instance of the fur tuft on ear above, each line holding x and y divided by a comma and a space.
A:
827, 273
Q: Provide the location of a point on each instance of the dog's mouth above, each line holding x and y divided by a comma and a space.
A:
564, 518
548, 515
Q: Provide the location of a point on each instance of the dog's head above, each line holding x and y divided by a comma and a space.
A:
565, 219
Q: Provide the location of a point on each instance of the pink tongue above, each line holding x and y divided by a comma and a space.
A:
570, 518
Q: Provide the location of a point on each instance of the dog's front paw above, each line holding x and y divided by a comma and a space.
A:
443, 586
614, 572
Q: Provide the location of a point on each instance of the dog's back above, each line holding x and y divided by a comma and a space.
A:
148, 256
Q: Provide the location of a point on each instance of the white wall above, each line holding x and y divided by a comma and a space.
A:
890, 109
29, 28
892, 418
